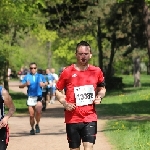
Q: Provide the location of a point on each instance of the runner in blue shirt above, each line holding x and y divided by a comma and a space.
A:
34, 82
43, 72
51, 81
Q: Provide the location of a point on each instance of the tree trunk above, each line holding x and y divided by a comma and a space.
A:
109, 69
5, 75
49, 54
146, 15
99, 40
6, 63
136, 72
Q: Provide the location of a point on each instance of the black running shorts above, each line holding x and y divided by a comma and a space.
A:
81, 131
4, 138
39, 98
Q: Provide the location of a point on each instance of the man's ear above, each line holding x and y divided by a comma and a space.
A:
90, 55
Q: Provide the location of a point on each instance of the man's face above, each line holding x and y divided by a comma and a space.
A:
47, 71
83, 55
33, 68
52, 70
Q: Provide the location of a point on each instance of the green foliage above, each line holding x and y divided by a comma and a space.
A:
65, 49
17, 18
43, 35
128, 112
19, 100
33, 51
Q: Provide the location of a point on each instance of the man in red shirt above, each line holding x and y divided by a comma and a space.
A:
84, 86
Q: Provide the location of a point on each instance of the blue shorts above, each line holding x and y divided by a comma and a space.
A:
51, 90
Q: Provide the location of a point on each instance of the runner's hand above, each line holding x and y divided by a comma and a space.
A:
27, 83
69, 106
97, 100
3, 122
42, 84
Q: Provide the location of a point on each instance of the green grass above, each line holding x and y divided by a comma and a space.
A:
126, 134
129, 135
126, 103
19, 100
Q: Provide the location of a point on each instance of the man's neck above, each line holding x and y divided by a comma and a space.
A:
33, 74
81, 67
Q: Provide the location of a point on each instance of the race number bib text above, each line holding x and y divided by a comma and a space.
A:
84, 95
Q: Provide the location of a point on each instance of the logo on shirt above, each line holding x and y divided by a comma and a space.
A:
74, 75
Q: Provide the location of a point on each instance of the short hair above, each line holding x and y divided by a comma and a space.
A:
83, 43
39, 71
32, 63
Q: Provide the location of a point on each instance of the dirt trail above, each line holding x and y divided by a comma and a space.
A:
52, 136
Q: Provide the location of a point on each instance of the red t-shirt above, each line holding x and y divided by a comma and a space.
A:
71, 78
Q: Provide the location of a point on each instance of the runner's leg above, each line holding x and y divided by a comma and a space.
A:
3, 145
48, 95
73, 136
88, 135
53, 89
43, 101
32, 113
88, 146
3, 136
38, 109
75, 149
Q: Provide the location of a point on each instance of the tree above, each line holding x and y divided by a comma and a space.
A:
143, 7
15, 16
69, 17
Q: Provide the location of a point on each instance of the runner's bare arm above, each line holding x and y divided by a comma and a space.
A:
43, 84
100, 93
61, 98
22, 85
8, 103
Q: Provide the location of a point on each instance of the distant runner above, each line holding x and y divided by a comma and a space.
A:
34, 82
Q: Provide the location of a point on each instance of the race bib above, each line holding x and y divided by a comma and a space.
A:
84, 95
32, 101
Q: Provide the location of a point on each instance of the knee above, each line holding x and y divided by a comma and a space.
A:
38, 112
87, 145
31, 116
39, 108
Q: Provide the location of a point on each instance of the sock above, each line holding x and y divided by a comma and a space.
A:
53, 98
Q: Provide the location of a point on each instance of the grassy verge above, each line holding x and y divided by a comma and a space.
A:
129, 135
19, 100
126, 134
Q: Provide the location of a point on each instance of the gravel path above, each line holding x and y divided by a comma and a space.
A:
52, 136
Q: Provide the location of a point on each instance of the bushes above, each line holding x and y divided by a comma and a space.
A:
114, 83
